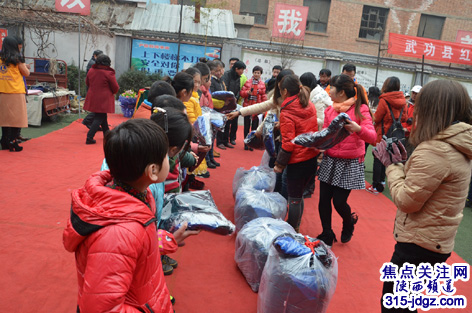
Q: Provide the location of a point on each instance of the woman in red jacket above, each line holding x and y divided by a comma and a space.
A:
342, 168
392, 95
102, 86
253, 91
297, 116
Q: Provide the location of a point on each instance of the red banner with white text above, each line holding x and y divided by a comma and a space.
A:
437, 50
3, 34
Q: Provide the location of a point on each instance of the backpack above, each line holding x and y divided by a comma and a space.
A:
396, 130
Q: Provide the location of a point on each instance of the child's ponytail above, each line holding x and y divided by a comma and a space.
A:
294, 87
304, 96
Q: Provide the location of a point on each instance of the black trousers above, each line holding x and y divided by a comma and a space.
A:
339, 197
88, 119
379, 172
9, 134
230, 130
413, 254
298, 177
250, 124
99, 119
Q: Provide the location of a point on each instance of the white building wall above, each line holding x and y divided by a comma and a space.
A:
64, 46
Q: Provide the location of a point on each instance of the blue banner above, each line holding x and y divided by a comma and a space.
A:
161, 56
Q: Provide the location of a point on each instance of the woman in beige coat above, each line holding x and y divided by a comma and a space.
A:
430, 189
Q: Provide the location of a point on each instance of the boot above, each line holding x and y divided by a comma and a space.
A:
13, 146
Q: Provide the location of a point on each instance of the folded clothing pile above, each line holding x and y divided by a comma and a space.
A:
198, 209
224, 101
251, 204
268, 134
253, 141
300, 276
252, 246
326, 138
258, 177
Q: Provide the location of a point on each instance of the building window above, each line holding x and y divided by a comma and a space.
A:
258, 9
318, 15
192, 2
373, 22
431, 26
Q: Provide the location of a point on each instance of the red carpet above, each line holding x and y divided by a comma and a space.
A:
38, 275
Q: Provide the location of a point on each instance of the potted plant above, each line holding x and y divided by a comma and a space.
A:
128, 102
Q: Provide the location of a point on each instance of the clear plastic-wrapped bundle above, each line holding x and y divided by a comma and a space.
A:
198, 209
251, 204
252, 246
202, 129
253, 141
326, 138
217, 120
268, 134
300, 275
258, 177
224, 101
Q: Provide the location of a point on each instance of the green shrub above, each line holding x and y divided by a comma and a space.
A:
73, 82
135, 80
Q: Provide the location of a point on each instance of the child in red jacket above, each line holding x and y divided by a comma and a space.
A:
254, 91
297, 116
112, 228
342, 168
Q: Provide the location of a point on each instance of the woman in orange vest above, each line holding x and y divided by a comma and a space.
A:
12, 94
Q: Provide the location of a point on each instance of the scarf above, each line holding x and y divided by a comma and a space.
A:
124, 187
253, 96
341, 107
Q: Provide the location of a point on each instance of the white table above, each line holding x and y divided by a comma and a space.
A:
34, 104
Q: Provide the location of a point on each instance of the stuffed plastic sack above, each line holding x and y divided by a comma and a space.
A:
202, 129
268, 134
198, 209
217, 120
251, 204
252, 246
326, 138
258, 177
225, 101
297, 278
253, 141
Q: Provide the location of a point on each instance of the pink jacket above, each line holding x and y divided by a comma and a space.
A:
352, 147
205, 98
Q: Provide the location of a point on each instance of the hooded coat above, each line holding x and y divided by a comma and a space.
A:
430, 190
397, 102
296, 120
117, 250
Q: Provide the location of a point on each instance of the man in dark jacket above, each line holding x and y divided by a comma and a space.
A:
232, 81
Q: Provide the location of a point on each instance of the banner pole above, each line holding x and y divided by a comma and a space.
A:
78, 69
422, 69
180, 31
378, 60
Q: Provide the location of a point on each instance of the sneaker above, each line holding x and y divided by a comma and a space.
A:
328, 238
172, 300
372, 190
168, 270
220, 146
216, 154
228, 145
168, 260
196, 184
